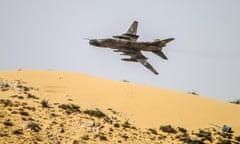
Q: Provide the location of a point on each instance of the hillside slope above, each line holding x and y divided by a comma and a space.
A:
142, 106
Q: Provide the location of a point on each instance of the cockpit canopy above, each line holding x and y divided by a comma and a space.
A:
93, 41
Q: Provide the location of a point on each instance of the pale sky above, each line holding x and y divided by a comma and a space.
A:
204, 57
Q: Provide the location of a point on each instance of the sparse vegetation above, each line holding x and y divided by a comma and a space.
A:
193, 93
125, 81
29, 108
125, 136
153, 131
70, 108
31, 96
3, 134
8, 123
116, 125
45, 103
6, 102
95, 113
237, 138
195, 142
14, 112
34, 126
225, 135
24, 113
20, 97
183, 130
126, 124
4, 86
224, 141
75, 142
205, 135
113, 111
17, 118
85, 137
168, 129
25, 88
18, 132
237, 101
102, 137
184, 138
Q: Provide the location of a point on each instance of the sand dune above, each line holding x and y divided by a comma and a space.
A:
142, 106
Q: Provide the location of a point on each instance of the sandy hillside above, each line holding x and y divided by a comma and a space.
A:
58, 107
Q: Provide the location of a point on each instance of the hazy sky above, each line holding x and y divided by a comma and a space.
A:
204, 57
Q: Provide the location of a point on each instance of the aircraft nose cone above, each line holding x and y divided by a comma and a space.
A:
93, 41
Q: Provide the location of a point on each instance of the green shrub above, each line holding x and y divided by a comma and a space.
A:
126, 124
206, 135
225, 135
70, 108
95, 113
24, 113
6, 102
237, 138
116, 125
153, 131
20, 97
45, 103
102, 137
125, 136
85, 137
14, 112
225, 141
18, 132
31, 96
183, 130
168, 129
8, 123
34, 126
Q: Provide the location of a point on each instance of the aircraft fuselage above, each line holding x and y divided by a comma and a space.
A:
128, 44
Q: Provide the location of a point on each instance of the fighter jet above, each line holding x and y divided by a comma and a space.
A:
128, 45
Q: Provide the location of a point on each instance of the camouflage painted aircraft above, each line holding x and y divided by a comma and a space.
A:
127, 44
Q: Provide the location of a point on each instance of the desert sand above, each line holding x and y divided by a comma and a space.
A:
67, 107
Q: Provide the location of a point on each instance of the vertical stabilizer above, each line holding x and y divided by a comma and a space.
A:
133, 28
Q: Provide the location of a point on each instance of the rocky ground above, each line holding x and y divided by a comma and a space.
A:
27, 118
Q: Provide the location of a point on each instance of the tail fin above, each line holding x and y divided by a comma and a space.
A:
131, 34
133, 28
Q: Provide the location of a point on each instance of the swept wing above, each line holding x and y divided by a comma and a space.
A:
137, 56
161, 54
